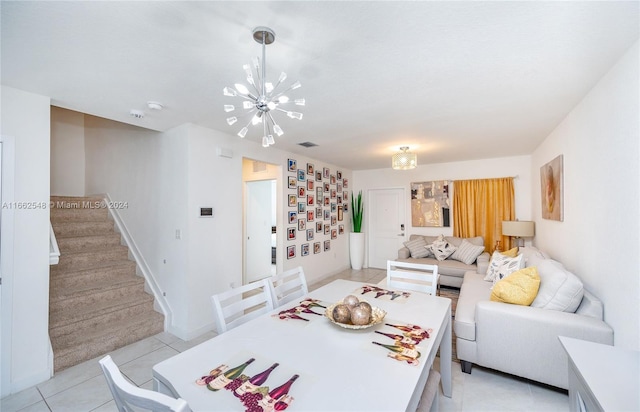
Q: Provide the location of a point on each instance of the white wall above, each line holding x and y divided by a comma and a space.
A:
598, 238
25, 117
67, 152
475, 169
166, 178
148, 171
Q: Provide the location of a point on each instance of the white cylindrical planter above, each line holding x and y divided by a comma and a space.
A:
356, 250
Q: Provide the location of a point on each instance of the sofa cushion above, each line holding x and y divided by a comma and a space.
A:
502, 265
467, 252
441, 248
519, 288
417, 248
559, 289
474, 289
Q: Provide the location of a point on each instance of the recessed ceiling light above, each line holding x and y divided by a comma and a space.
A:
155, 105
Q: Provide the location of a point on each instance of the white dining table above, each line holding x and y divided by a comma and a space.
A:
339, 369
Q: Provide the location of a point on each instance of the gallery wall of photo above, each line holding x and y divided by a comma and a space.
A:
317, 206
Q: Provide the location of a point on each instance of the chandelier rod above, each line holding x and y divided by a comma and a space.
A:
264, 64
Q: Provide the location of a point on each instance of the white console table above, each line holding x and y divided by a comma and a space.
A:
602, 377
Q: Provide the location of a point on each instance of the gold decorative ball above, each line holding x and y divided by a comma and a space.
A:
360, 316
351, 301
342, 314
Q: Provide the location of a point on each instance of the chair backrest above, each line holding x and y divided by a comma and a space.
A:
126, 395
239, 305
412, 276
288, 286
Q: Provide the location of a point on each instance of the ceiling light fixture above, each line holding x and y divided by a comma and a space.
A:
265, 97
404, 160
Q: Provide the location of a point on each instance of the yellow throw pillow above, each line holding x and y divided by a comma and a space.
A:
513, 252
520, 287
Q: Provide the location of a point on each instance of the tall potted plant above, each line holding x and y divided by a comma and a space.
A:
356, 237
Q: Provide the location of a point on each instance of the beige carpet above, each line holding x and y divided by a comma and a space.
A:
97, 303
451, 293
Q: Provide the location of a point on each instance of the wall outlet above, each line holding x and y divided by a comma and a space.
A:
178, 234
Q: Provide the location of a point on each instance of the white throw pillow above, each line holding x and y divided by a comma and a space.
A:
441, 248
502, 264
417, 247
467, 253
559, 289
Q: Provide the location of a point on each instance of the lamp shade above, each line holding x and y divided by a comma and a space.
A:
517, 228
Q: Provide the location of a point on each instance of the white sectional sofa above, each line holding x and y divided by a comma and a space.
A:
523, 340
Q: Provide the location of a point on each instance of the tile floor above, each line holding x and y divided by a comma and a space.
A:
82, 388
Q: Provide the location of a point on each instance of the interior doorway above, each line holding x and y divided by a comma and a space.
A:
261, 251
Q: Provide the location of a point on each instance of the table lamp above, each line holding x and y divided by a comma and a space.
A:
518, 229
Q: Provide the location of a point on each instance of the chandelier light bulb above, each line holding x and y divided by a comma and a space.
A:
228, 91
241, 88
264, 97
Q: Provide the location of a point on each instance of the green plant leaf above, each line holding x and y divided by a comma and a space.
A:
356, 212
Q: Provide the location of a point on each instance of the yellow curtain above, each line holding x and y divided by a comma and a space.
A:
480, 206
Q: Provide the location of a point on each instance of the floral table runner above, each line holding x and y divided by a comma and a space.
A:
379, 293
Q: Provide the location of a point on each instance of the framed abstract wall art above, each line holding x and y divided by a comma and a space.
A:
430, 204
551, 189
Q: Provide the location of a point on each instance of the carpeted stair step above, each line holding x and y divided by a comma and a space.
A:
71, 320
79, 243
88, 258
70, 229
98, 274
79, 215
75, 202
82, 298
96, 342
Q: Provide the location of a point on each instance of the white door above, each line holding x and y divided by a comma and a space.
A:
259, 215
386, 223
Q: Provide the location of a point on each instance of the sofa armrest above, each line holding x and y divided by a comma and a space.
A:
523, 341
404, 253
483, 263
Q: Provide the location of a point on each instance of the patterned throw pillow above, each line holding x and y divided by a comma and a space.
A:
441, 248
467, 253
501, 264
417, 247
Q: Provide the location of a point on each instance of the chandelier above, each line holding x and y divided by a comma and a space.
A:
263, 98
404, 160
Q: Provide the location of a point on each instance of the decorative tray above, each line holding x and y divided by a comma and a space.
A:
377, 316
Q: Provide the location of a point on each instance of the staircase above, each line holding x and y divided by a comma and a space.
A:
97, 302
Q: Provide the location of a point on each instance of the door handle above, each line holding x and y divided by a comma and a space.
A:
401, 234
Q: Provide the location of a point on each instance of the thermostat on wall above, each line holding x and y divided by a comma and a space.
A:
206, 212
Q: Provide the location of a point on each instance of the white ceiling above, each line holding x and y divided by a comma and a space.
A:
452, 80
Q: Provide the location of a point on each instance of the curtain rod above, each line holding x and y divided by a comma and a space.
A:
486, 178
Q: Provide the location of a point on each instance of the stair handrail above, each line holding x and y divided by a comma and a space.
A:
141, 263
54, 251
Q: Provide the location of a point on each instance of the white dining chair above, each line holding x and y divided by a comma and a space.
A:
242, 304
288, 286
126, 395
412, 276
